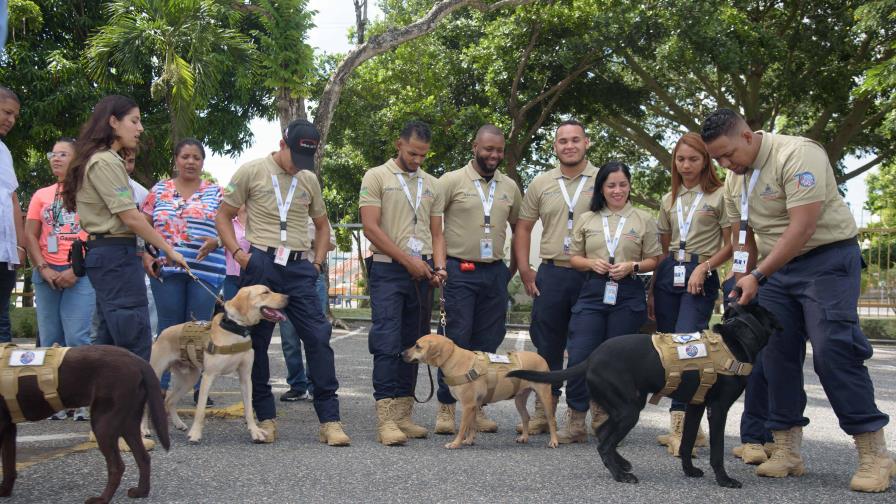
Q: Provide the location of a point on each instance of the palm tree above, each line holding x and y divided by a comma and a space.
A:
183, 46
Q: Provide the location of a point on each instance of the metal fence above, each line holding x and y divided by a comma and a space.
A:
347, 272
878, 297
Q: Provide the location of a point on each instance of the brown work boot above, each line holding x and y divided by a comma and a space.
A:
332, 434
785, 460
445, 419
598, 417
751, 453
387, 431
701, 440
876, 466
269, 427
538, 422
675, 418
484, 423
574, 432
676, 431
403, 407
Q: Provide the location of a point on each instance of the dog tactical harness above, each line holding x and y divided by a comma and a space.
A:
493, 368
195, 340
704, 352
47, 374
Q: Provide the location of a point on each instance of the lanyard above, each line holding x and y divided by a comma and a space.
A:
407, 192
614, 242
283, 208
745, 207
487, 203
571, 204
684, 226
56, 209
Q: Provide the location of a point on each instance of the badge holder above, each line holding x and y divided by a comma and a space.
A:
52, 243
485, 248
741, 257
611, 288
678, 275
416, 247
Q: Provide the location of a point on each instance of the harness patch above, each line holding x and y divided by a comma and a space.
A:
42, 363
498, 359
27, 357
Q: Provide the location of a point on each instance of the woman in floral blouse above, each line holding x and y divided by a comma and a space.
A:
182, 209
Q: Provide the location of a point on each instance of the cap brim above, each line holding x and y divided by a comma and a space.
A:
302, 161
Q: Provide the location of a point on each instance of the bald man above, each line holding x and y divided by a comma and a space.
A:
480, 204
797, 240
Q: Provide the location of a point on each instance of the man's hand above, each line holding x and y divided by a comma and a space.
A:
148, 262
242, 257
439, 278
601, 267
749, 287
417, 268
66, 279
698, 277
620, 270
527, 275
207, 248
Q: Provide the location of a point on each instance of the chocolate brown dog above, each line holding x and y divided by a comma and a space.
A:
117, 385
623, 370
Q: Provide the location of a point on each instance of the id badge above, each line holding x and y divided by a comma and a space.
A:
678, 275
611, 290
485, 248
680, 256
282, 255
741, 257
52, 243
415, 246
567, 242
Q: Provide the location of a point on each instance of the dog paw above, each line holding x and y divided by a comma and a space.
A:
5, 491
96, 500
137, 493
553, 444
194, 438
180, 426
627, 477
522, 439
258, 435
693, 472
728, 482
452, 445
469, 442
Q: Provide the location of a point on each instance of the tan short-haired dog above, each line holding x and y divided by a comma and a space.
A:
477, 385
228, 330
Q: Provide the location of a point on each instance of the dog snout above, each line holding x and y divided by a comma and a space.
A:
408, 356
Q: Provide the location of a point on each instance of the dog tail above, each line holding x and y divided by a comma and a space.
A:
551, 377
156, 405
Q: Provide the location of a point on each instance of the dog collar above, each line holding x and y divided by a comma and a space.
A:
231, 326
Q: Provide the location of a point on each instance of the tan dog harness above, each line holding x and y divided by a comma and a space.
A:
43, 363
494, 368
704, 352
195, 340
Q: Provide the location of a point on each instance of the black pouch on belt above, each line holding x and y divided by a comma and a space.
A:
76, 258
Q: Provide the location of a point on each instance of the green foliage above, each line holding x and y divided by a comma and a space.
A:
880, 329
881, 187
287, 61
23, 322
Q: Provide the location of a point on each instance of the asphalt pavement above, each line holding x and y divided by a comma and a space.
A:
56, 465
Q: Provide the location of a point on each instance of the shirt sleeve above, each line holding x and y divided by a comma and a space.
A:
529, 208
112, 185
237, 191
732, 202
35, 206
664, 223
316, 208
515, 207
371, 190
722, 212
438, 203
805, 175
650, 244
577, 245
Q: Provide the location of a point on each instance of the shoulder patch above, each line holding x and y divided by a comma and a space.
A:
805, 179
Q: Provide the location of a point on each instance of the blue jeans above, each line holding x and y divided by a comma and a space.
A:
292, 345
7, 284
231, 285
64, 316
180, 299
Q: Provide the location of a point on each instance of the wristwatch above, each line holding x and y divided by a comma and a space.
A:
636, 268
760, 278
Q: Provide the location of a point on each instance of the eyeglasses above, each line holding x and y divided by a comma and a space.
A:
60, 155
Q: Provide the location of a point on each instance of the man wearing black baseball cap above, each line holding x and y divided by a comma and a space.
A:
281, 192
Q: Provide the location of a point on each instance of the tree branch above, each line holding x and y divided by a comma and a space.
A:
680, 114
848, 128
635, 133
860, 170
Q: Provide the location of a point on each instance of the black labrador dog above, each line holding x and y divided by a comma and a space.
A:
622, 371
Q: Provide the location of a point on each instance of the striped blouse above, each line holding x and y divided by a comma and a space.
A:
185, 222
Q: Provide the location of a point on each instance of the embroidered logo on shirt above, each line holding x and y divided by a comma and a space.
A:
427, 194
123, 192
632, 234
364, 191
768, 193
805, 179
229, 189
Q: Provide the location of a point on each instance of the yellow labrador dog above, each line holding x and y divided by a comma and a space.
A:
228, 350
476, 379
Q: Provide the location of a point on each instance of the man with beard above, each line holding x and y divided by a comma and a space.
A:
480, 202
557, 197
401, 211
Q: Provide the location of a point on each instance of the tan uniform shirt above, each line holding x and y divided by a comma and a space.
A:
105, 192
465, 213
704, 236
312, 232
252, 185
380, 188
794, 171
544, 200
638, 241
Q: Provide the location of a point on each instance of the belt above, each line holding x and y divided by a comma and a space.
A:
696, 258
557, 262
827, 246
295, 255
100, 240
483, 263
383, 258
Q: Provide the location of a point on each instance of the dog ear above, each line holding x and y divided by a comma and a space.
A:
238, 308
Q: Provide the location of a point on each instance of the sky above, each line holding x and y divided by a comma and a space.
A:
333, 20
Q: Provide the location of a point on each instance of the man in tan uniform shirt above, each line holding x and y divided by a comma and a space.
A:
401, 211
480, 202
557, 197
782, 189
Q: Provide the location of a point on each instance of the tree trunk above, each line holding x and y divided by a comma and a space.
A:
289, 108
